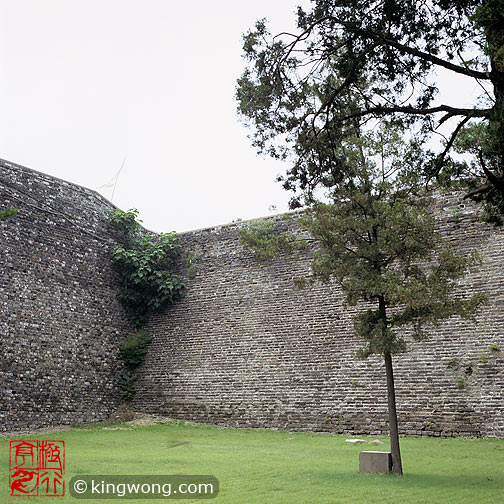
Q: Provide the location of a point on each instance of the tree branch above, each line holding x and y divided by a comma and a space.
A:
441, 157
497, 182
344, 84
351, 26
480, 190
408, 50
453, 111
431, 58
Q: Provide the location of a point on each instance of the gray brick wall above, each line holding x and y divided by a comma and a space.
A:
245, 348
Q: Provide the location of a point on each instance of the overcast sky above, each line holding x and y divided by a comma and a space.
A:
88, 84
85, 84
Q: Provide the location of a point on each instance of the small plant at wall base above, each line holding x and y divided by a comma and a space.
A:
144, 262
133, 352
127, 385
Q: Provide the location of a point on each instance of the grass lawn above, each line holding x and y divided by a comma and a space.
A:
263, 466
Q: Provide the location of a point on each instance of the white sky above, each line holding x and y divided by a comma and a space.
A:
85, 84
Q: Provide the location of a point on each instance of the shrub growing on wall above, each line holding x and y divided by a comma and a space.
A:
144, 262
134, 349
9, 212
133, 352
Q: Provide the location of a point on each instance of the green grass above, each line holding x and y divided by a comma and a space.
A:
263, 466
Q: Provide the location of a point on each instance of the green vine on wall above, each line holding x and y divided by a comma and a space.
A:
144, 262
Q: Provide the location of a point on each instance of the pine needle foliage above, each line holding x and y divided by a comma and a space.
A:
377, 238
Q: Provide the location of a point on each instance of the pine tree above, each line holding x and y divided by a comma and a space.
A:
377, 238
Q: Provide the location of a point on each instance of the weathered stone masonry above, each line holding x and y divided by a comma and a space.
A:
60, 323
245, 348
242, 348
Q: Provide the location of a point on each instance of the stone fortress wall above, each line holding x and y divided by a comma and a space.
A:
60, 322
243, 348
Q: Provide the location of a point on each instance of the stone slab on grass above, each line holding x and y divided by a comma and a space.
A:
375, 462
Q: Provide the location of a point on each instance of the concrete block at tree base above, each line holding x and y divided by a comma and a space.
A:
375, 462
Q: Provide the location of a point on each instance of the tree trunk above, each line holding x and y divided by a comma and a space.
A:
494, 31
392, 414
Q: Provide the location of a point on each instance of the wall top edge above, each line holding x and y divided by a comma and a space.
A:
210, 229
9, 164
